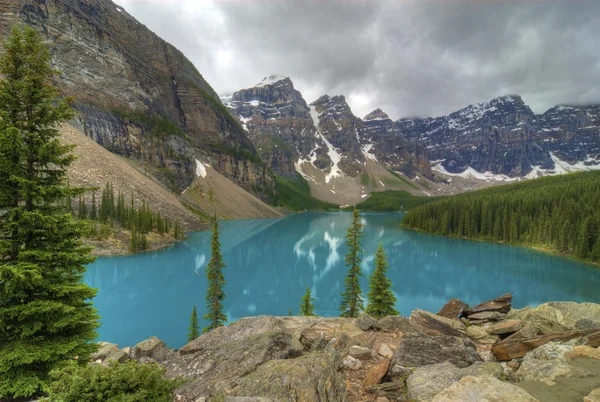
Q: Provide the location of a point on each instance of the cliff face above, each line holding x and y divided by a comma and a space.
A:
136, 94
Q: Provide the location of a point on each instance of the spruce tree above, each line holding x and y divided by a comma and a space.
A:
289, 312
216, 281
352, 303
306, 307
194, 328
381, 298
93, 210
46, 316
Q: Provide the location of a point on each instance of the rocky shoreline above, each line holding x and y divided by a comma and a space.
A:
485, 352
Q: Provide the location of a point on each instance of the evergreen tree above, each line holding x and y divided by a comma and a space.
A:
194, 328
215, 294
289, 312
352, 303
82, 209
93, 210
381, 298
596, 250
306, 307
46, 316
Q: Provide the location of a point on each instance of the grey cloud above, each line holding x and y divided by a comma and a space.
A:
410, 57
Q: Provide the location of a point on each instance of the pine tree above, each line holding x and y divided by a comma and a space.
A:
46, 314
289, 312
352, 303
194, 328
596, 250
215, 294
306, 307
93, 210
381, 298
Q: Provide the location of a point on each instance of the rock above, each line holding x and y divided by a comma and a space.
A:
351, 363
376, 373
394, 323
152, 347
365, 322
593, 396
399, 372
500, 304
480, 335
487, 356
568, 314
417, 349
453, 309
535, 327
104, 349
509, 349
514, 364
360, 352
505, 327
427, 381
388, 390
311, 377
550, 351
546, 371
426, 321
583, 351
385, 351
483, 389
116, 355
585, 323
485, 369
382, 399
326, 329
246, 399
485, 316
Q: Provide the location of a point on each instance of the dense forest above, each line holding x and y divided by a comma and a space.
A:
391, 200
560, 213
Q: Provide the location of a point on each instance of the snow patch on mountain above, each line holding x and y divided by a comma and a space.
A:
470, 173
334, 155
200, 169
270, 80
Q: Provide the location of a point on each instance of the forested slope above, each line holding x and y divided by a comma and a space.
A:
561, 213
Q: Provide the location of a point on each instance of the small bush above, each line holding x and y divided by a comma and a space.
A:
120, 382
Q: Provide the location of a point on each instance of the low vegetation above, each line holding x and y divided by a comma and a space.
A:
390, 200
295, 195
560, 213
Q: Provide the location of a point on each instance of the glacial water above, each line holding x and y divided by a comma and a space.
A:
271, 261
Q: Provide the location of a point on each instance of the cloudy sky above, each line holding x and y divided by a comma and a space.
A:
407, 57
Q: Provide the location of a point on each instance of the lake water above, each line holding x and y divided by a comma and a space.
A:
271, 261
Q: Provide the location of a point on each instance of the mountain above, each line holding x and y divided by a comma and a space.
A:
503, 139
137, 95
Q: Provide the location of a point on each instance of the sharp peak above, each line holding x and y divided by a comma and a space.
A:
272, 79
377, 113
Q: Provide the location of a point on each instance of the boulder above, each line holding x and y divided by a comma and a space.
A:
394, 323
104, 349
485, 316
550, 351
483, 369
152, 347
365, 322
116, 355
453, 309
360, 352
312, 377
427, 381
500, 304
480, 335
483, 389
417, 349
426, 321
568, 314
375, 373
509, 349
546, 371
505, 327
351, 363
385, 351
324, 330
585, 323
583, 351
390, 390
593, 396
398, 372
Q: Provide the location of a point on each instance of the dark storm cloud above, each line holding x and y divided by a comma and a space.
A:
411, 58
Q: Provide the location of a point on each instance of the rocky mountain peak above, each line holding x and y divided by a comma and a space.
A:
274, 79
376, 114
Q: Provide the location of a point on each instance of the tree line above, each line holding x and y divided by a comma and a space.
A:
560, 213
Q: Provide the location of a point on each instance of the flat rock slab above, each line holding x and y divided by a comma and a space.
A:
500, 304
426, 321
417, 349
376, 373
594, 396
486, 316
360, 352
394, 324
453, 309
505, 327
483, 389
547, 371
428, 381
583, 351
153, 348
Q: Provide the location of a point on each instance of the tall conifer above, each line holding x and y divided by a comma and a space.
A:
46, 316
352, 303
216, 281
194, 328
380, 297
306, 307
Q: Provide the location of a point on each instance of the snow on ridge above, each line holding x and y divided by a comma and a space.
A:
334, 155
561, 167
470, 173
200, 169
270, 80
366, 152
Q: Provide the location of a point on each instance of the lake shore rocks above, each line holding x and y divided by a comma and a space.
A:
483, 352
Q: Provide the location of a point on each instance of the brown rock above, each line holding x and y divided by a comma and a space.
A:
376, 373
584, 351
510, 349
453, 308
500, 304
485, 316
394, 323
594, 396
505, 327
426, 321
480, 335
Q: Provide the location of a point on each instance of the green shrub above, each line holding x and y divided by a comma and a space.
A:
120, 382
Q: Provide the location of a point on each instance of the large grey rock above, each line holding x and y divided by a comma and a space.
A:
417, 349
116, 356
546, 371
104, 349
351, 363
567, 314
480, 335
483, 389
426, 321
551, 351
365, 322
453, 308
313, 377
427, 381
500, 305
360, 352
153, 348
394, 323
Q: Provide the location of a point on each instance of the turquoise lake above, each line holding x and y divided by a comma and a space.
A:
271, 261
